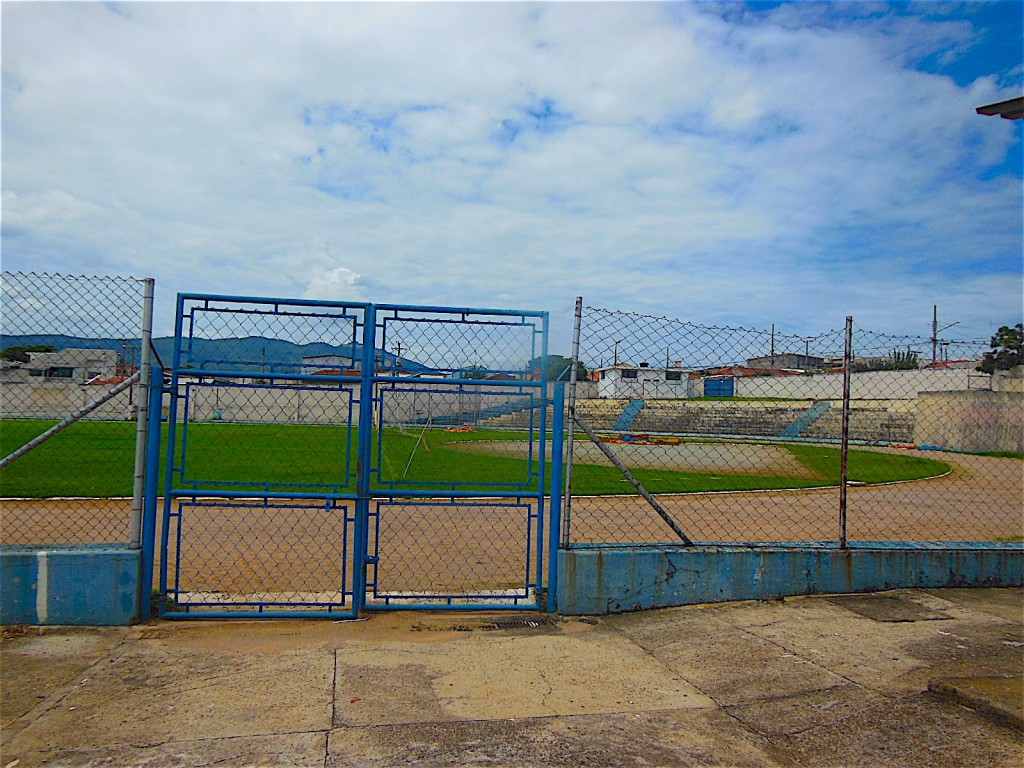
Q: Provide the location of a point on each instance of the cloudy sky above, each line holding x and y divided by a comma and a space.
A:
736, 164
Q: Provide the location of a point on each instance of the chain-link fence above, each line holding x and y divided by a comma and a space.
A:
689, 433
70, 404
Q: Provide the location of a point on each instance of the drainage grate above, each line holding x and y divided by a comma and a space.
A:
528, 624
518, 624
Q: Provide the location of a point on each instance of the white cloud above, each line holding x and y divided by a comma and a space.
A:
693, 163
44, 209
338, 284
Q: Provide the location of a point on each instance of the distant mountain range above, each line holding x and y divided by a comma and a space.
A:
251, 354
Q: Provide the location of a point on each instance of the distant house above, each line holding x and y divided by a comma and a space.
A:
951, 365
346, 365
78, 365
326, 362
623, 380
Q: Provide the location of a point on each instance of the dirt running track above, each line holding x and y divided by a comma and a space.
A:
301, 548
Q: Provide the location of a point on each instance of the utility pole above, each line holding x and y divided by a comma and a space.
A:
935, 332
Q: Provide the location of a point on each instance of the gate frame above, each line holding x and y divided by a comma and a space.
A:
539, 541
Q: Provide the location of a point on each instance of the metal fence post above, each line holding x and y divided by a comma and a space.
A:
845, 436
542, 464
151, 491
364, 458
172, 427
570, 438
555, 499
142, 417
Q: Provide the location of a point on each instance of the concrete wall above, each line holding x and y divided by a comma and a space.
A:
69, 585
39, 398
869, 384
971, 421
277, 405
601, 581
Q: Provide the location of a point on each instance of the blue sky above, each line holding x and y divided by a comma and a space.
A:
722, 163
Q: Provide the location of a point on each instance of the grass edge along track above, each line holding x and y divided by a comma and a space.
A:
94, 459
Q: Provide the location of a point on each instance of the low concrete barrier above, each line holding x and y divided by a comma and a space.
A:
86, 585
618, 580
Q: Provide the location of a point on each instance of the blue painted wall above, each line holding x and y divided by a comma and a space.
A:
79, 585
616, 580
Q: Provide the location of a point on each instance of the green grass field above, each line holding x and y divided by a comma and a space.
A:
95, 459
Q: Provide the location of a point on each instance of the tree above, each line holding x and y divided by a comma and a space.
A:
473, 372
20, 354
558, 368
1007, 350
897, 360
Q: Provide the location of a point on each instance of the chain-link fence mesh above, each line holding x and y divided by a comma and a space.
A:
68, 343
924, 411
738, 435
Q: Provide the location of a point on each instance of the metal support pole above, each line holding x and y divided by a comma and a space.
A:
555, 498
542, 463
142, 417
845, 448
172, 447
364, 459
571, 421
635, 483
151, 491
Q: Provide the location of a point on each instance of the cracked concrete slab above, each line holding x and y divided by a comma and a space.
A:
899, 656
41, 664
793, 714
505, 674
904, 732
1001, 696
860, 650
298, 750
887, 608
670, 739
148, 696
1005, 604
794, 682
733, 665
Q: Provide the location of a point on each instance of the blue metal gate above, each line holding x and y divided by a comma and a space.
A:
325, 458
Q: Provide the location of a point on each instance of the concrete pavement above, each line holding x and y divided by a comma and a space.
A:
907, 678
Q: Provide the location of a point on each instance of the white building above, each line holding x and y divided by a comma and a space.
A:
78, 365
642, 382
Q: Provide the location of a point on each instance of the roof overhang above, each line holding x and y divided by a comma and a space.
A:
1011, 109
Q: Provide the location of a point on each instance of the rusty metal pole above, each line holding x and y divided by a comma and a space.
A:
845, 447
570, 423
